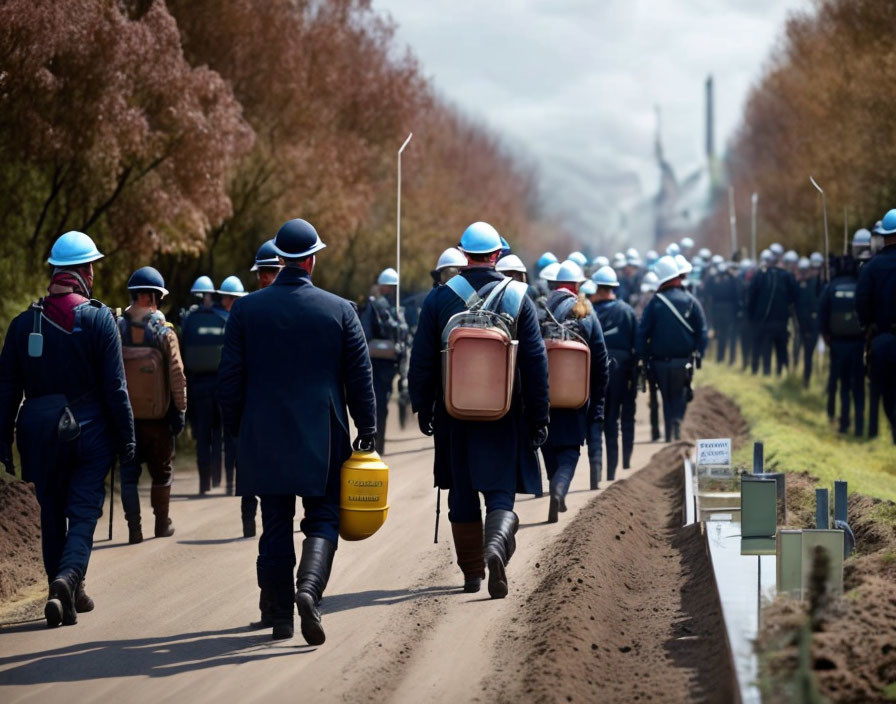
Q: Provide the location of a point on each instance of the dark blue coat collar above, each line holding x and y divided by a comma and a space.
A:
291, 275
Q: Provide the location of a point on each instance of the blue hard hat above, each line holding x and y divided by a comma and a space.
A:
266, 256
578, 258
232, 286
600, 261
888, 223
203, 285
505, 247
605, 276
545, 259
588, 288
480, 238
569, 272
388, 277
297, 239
73, 248
147, 278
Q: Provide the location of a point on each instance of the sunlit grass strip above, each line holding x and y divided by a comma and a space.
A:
793, 425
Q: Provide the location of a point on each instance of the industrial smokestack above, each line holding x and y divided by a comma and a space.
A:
710, 147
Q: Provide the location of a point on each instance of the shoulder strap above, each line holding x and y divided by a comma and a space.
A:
496, 295
675, 312
464, 290
514, 295
562, 309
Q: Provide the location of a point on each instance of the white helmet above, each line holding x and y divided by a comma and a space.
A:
716, 259
549, 273
649, 282
673, 249
588, 288
605, 276
666, 269
600, 261
451, 257
791, 257
578, 258
510, 263
766, 256
776, 249
803, 263
745, 264
816, 259
388, 277
684, 266
570, 272
705, 254
687, 243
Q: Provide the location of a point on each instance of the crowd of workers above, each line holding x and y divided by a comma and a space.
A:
268, 381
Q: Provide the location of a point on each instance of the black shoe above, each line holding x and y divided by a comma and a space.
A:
472, 585
497, 577
248, 528
553, 509
499, 546
83, 603
135, 533
312, 628
283, 630
60, 607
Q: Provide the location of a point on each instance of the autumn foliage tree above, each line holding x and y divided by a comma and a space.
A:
824, 107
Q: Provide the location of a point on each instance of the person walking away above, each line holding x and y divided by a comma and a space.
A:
875, 294
619, 325
671, 335
294, 358
842, 332
266, 268
772, 293
203, 337
231, 290
498, 457
63, 354
157, 388
808, 296
386, 335
723, 294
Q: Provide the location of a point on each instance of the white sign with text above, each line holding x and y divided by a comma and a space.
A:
714, 451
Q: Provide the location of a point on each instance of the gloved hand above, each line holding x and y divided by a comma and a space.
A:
424, 420
177, 421
364, 443
128, 452
6, 458
539, 436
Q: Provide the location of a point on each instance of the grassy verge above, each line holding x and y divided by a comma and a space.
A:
792, 423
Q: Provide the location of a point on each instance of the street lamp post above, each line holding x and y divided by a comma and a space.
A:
754, 201
398, 227
732, 218
824, 210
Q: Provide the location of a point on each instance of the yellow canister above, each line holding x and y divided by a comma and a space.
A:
363, 496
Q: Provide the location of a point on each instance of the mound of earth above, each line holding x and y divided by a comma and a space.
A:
627, 610
21, 564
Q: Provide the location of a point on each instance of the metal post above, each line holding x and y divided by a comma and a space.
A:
845, 232
438, 512
822, 510
754, 199
732, 218
840, 513
398, 228
758, 460
827, 246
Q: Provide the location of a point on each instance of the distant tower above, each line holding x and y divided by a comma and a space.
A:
711, 161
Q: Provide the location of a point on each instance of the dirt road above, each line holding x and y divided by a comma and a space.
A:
172, 614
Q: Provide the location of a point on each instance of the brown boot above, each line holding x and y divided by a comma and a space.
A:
160, 497
468, 547
83, 602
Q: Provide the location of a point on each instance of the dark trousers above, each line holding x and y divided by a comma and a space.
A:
383, 375
276, 547
808, 339
248, 507
725, 325
69, 481
229, 442
654, 404
873, 410
206, 421
155, 448
847, 371
771, 335
464, 504
619, 405
671, 376
560, 464
747, 338
883, 374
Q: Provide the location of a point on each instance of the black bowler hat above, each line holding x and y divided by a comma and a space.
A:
297, 239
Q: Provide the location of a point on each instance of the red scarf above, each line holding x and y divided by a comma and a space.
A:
68, 289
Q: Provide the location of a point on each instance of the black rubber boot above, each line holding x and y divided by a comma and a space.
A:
60, 606
676, 431
265, 603
83, 603
160, 497
557, 500
468, 548
282, 594
135, 531
248, 528
500, 544
311, 580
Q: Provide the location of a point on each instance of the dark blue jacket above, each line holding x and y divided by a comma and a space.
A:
876, 292
84, 364
619, 325
294, 356
723, 296
808, 297
498, 454
826, 307
662, 336
570, 426
772, 292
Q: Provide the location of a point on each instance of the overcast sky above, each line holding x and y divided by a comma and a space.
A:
574, 82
